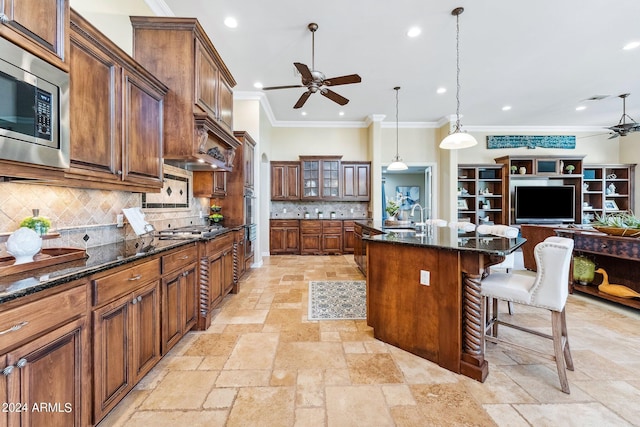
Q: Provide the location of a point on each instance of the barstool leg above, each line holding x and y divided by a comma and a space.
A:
568, 360
558, 349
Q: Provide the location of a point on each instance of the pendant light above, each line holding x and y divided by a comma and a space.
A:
458, 138
398, 164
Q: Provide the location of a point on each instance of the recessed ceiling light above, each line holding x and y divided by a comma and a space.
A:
230, 22
341, 113
304, 113
441, 90
580, 108
258, 85
631, 45
414, 32
506, 108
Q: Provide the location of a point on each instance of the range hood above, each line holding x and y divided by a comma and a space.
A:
213, 147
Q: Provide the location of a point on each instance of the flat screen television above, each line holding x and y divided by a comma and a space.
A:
545, 204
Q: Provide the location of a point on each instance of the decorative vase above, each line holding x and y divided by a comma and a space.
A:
522, 170
23, 244
583, 270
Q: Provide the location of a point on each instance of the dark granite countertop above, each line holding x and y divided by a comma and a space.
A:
99, 258
443, 238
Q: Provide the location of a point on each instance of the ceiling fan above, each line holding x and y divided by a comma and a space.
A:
315, 81
623, 128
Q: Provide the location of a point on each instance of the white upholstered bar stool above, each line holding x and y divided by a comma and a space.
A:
547, 288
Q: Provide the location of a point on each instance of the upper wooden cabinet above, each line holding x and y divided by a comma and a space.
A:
116, 114
39, 26
199, 108
356, 177
248, 158
285, 180
320, 177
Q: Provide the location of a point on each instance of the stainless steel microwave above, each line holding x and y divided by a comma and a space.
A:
34, 109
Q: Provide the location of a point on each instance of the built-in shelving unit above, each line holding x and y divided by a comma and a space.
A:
607, 188
481, 193
525, 170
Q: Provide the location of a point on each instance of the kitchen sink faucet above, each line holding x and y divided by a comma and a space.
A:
420, 224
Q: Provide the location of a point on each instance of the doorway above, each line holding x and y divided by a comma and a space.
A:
414, 185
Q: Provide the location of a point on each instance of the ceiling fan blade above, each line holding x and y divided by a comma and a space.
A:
304, 72
302, 99
342, 80
334, 96
281, 87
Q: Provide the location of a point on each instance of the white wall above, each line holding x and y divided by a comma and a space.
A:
289, 143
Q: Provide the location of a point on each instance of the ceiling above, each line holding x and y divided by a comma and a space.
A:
543, 58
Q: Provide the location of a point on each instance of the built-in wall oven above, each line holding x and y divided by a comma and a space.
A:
34, 109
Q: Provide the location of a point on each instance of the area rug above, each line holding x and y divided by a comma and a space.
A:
346, 299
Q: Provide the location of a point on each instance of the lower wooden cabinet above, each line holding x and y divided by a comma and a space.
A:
216, 275
179, 295
284, 236
126, 332
348, 237
45, 378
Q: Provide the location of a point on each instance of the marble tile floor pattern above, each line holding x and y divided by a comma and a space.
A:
262, 363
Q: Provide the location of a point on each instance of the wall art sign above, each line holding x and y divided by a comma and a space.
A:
532, 141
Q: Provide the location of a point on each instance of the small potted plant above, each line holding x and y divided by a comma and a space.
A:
514, 168
570, 168
392, 209
216, 208
216, 217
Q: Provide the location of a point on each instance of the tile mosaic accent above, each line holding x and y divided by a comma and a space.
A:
174, 195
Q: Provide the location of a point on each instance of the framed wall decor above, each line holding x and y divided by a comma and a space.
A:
610, 205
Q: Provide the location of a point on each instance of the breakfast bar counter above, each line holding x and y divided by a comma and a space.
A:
423, 292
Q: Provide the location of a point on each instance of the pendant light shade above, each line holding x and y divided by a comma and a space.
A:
457, 138
398, 164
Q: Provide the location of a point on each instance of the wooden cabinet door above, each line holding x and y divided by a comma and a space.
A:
39, 26
348, 237
248, 160
285, 181
311, 243
50, 371
227, 270
171, 311
210, 183
142, 129
225, 105
215, 280
332, 243
220, 183
93, 106
111, 360
189, 296
207, 80
356, 181
145, 330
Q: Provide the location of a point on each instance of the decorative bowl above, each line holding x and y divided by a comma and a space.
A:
618, 231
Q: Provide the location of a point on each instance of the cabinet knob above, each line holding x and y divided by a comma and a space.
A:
139, 298
136, 277
21, 363
119, 173
134, 301
7, 371
4, 18
185, 257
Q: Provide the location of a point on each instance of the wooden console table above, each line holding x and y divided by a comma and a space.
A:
618, 256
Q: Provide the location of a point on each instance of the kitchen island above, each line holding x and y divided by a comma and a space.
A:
423, 292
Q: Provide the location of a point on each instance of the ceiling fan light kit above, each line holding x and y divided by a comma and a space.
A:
457, 138
315, 81
397, 164
623, 128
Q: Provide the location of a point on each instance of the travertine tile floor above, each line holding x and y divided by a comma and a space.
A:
261, 363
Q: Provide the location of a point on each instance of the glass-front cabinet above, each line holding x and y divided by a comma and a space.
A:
320, 177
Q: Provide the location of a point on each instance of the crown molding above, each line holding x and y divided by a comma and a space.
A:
159, 7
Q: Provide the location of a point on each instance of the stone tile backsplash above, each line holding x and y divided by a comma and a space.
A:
297, 209
86, 217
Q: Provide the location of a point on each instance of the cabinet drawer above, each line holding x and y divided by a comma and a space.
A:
310, 226
40, 316
331, 227
218, 244
179, 259
114, 285
285, 223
